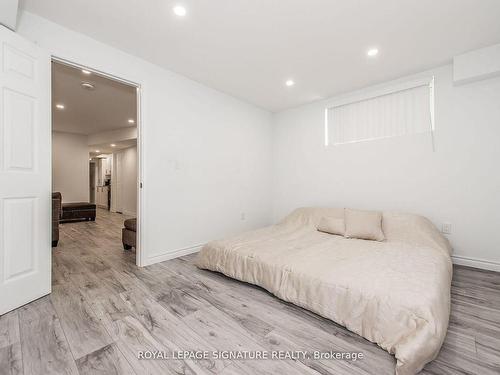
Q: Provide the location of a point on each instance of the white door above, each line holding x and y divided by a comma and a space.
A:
25, 172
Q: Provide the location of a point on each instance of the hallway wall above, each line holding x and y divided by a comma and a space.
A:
70, 166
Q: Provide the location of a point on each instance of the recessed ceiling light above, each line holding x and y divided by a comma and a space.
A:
97, 151
112, 145
180, 11
87, 72
290, 82
60, 106
372, 52
88, 85
131, 121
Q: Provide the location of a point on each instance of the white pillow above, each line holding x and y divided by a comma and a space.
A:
332, 225
366, 225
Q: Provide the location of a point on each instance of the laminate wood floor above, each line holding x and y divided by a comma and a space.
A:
103, 310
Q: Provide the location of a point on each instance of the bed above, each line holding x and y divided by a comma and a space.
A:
395, 293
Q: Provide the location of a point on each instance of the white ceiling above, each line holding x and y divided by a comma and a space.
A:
107, 107
248, 48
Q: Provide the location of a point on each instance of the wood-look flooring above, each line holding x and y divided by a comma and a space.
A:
103, 310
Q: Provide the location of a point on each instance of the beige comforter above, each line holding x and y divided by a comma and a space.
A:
395, 293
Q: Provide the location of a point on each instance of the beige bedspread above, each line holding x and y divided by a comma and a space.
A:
395, 293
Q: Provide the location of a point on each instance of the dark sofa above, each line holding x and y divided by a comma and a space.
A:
78, 211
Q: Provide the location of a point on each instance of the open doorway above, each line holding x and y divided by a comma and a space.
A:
95, 162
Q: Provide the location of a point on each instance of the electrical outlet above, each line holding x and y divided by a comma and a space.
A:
446, 228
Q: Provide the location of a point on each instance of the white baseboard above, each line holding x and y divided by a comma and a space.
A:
457, 259
476, 263
128, 213
172, 254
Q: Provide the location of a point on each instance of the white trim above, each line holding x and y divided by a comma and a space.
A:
432, 104
431, 109
172, 254
327, 140
140, 150
377, 138
129, 213
140, 254
476, 263
72, 64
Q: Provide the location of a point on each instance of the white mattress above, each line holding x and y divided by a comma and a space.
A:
395, 293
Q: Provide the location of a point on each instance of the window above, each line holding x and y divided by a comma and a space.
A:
407, 109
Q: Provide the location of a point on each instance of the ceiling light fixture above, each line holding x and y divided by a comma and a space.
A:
87, 72
372, 52
290, 82
97, 151
112, 145
88, 86
180, 11
131, 121
60, 106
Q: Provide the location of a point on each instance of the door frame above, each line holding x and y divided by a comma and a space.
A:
139, 257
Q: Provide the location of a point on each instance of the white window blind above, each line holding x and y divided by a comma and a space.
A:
397, 113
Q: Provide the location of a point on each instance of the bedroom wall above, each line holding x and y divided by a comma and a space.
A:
70, 166
206, 155
459, 183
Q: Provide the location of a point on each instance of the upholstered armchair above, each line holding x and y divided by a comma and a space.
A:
129, 233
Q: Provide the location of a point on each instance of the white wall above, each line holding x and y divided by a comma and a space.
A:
206, 155
70, 166
128, 180
459, 183
478, 64
110, 136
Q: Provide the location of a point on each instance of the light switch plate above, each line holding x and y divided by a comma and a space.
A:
446, 228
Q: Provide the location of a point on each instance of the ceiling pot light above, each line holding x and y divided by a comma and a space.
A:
180, 11
290, 82
88, 86
372, 52
112, 145
60, 106
131, 121
87, 72
97, 151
